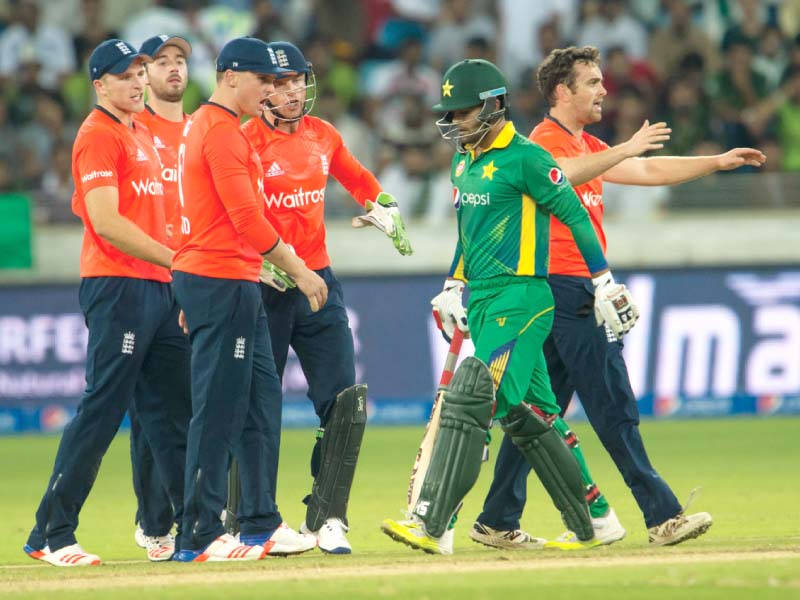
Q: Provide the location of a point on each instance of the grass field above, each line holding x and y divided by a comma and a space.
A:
748, 469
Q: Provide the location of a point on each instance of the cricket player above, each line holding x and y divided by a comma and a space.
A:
580, 355
298, 153
167, 77
236, 392
506, 188
136, 349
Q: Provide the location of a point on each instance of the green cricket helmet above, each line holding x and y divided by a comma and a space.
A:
470, 83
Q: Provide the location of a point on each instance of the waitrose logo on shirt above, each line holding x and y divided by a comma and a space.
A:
298, 198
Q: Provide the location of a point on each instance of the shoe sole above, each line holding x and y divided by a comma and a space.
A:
689, 535
503, 545
411, 543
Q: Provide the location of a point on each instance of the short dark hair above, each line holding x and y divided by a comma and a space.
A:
558, 68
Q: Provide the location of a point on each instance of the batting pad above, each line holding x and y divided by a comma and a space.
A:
456, 457
341, 444
557, 468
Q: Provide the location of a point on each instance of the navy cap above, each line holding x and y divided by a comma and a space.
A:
249, 54
290, 57
153, 45
112, 56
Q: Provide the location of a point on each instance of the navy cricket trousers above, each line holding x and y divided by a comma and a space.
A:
580, 357
136, 352
154, 512
322, 341
236, 404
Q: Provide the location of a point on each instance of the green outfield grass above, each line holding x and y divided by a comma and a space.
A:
748, 469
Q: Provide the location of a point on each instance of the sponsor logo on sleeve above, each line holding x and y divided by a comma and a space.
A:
96, 175
460, 167
556, 176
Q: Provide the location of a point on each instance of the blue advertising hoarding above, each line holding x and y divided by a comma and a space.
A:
710, 342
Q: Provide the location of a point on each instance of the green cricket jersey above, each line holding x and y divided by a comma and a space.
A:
504, 199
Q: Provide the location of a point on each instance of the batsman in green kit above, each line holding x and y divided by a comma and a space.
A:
505, 189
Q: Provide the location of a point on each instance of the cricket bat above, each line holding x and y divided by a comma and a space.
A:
425, 451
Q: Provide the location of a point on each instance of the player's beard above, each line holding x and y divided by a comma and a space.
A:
167, 94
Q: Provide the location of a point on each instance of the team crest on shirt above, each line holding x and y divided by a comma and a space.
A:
460, 167
325, 167
456, 198
556, 176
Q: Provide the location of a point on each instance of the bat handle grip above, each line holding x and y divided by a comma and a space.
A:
452, 357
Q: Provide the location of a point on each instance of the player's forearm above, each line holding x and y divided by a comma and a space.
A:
670, 170
589, 246
282, 257
581, 169
126, 237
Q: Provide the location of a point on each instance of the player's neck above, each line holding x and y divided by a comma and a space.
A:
171, 111
225, 98
124, 117
567, 119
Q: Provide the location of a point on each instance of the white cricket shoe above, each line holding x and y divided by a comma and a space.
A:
139, 537
68, 556
607, 530
281, 542
160, 547
224, 548
680, 528
516, 539
331, 537
412, 533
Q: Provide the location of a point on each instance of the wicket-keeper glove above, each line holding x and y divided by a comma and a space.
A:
384, 214
613, 305
274, 277
448, 309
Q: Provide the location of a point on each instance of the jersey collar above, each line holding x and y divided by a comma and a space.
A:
502, 140
559, 123
107, 113
225, 108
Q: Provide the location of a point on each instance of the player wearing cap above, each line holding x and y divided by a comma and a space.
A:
236, 393
298, 153
136, 349
163, 115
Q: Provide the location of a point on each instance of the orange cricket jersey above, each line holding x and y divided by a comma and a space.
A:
296, 168
108, 153
167, 137
223, 226
565, 258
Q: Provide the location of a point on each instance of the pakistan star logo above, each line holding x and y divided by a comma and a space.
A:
488, 171
447, 88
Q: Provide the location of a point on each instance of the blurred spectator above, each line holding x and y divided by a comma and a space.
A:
613, 26
54, 197
93, 29
527, 106
789, 17
781, 111
735, 88
458, 24
8, 134
750, 23
334, 62
47, 129
621, 70
48, 45
23, 91
337, 19
421, 185
686, 111
671, 43
518, 24
408, 74
6, 177
771, 57
480, 47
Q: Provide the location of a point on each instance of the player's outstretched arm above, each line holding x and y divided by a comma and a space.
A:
581, 169
671, 170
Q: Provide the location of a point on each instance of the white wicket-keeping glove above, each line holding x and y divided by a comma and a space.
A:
384, 214
613, 305
448, 309
274, 277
